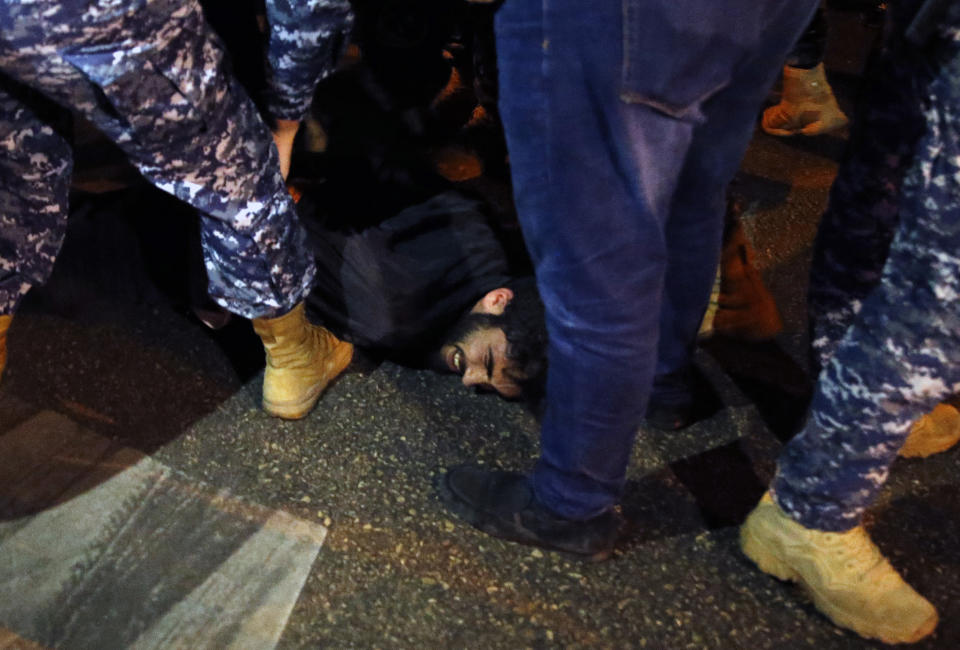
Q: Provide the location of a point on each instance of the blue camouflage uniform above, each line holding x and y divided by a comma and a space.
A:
885, 285
150, 75
306, 38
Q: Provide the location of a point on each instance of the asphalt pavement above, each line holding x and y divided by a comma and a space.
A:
163, 508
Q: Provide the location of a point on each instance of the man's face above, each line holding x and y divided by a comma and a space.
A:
481, 359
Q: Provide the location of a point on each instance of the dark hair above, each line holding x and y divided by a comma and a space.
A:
522, 322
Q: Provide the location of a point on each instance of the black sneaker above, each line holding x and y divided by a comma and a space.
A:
502, 504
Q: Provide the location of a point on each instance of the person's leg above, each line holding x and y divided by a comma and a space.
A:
744, 307
172, 107
306, 39
696, 220
858, 225
898, 359
599, 255
35, 166
862, 213
595, 179
593, 184
900, 356
153, 79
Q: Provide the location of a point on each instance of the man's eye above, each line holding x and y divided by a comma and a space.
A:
458, 361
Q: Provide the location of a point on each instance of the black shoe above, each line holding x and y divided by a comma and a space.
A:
502, 504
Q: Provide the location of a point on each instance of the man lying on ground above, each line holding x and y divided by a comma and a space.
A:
429, 286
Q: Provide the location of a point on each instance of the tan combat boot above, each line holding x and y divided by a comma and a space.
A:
844, 573
807, 105
745, 308
936, 431
302, 359
4, 326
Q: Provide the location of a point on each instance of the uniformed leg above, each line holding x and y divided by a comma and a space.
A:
898, 359
35, 166
306, 40
151, 76
901, 355
856, 229
855, 232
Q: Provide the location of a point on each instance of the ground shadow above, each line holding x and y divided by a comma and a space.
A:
723, 482
778, 386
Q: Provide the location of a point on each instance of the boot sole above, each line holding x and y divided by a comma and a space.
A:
832, 128
767, 560
299, 409
780, 132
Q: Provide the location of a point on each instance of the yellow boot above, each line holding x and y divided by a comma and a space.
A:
4, 326
302, 359
807, 105
845, 574
936, 431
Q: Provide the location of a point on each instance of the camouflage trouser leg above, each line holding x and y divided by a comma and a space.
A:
150, 74
306, 39
35, 165
902, 353
862, 214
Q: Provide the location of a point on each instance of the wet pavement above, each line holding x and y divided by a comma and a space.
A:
170, 474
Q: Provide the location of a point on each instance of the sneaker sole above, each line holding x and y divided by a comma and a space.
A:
767, 560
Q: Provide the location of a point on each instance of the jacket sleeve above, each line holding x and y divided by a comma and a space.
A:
306, 39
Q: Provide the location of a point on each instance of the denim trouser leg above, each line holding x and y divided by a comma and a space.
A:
576, 186
694, 228
612, 235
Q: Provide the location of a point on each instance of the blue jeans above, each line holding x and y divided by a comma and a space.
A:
624, 128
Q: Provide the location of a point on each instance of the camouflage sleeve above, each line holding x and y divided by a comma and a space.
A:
306, 38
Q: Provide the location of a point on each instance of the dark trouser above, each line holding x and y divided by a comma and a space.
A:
809, 50
862, 214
